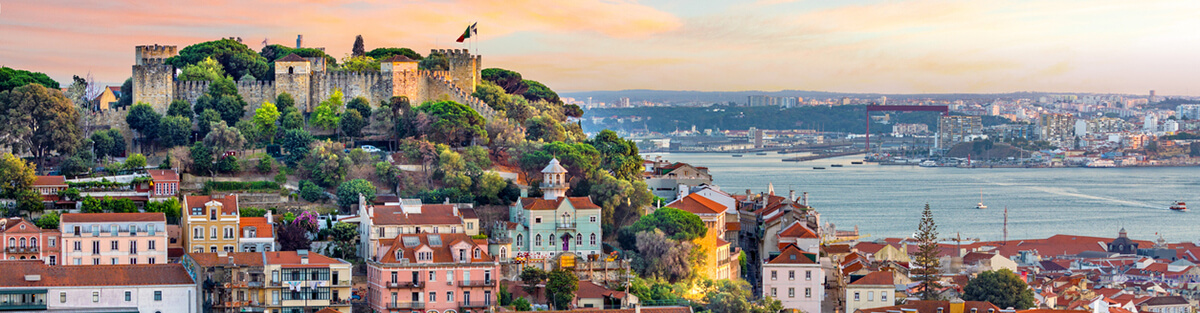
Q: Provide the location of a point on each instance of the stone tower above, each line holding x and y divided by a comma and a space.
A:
154, 80
554, 181
293, 75
465, 68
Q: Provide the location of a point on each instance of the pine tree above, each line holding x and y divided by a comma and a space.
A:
359, 50
927, 265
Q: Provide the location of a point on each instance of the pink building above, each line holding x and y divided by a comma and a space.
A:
795, 278
20, 239
164, 184
433, 273
113, 238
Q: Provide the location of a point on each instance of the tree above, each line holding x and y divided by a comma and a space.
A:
348, 192
174, 130
250, 135
231, 107
292, 119
180, 108
493, 95
531, 277
360, 64
560, 289
142, 118
91, 205
311, 192
207, 70
265, 164
253, 212
105, 145
48, 220
521, 305
360, 104
326, 164
264, 118
39, 120
228, 165
358, 49
661, 257
12, 78
326, 115
345, 240
1000, 287
292, 236
453, 123
126, 93
205, 121
224, 138
545, 128
385, 53
75, 166
284, 100
135, 162
16, 175
926, 264
619, 156
537, 91
510, 81
434, 62
352, 123
235, 58
201, 159
682, 225
295, 143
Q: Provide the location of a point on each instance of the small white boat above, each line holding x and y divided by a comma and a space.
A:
1179, 206
980, 205
928, 163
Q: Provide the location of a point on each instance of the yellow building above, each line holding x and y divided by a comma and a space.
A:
210, 223
720, 258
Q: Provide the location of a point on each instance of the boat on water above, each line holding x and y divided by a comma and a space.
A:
928, 163
761, 153
782, 152
737, 155
1179, 206
980, 205
818, 168
835, 165
856, 162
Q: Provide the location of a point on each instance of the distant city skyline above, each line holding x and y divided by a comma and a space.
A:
845, 46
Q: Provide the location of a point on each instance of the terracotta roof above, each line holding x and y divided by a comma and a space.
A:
875, 278
15, 272
697, 204
733, 226
230, 259
837, 249
112, 217
328, 310
291, 57
793, 255
441, 253
12, 225
975, 257
543, 204
398, 58
661, 309
431, 214
163, 175
798, 230
467, 213
115, 88
262, 229
49, 181
590, 290
929, 306
1166, 300
292, 259
228, 203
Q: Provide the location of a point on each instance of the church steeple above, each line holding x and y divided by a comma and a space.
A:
554, 181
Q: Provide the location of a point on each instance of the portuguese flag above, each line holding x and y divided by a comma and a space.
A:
467, 33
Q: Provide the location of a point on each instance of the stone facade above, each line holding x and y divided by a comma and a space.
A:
307, 81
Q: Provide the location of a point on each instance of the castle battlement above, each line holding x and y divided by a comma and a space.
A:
144, 53
255, 84
154, 62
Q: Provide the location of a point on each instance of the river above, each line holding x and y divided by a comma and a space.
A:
886, 201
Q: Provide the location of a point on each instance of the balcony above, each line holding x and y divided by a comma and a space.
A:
477, 283
407, 305
22, 249
339, 302
565, 225
255, 284
343, 283
474, 304
406, 284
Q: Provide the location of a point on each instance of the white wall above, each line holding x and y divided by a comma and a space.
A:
175, 298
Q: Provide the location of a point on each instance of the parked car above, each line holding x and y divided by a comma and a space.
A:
370, 149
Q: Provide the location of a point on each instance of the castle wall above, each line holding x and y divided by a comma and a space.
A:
115, 119
437, 88
373, 86
297, 83
191, 90
255, 93
154, 84
465, 69
143, 53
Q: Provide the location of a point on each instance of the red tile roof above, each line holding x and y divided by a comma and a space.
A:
797, 230
292, 259
875, 279
230, 259
112, 217
590, 290
793, 255
837, 249
44, 181
975, 257
441, 253
697, 204
929, 306
262, 229
228, 203
431, 214
14, 275
163, 175
661, 309
13, 225
292, 57
733, 226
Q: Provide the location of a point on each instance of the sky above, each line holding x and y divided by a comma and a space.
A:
934, 46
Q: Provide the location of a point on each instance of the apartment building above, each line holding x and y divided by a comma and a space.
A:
210, 223
384, 222
32, 285
20, 239
113, 238
271, 282
795, 278
432, 273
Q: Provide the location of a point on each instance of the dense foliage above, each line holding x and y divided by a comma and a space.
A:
38, 120
11, 78
1000, 287
452, 123
348, 192
235, 58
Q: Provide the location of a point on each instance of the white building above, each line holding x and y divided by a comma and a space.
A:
1150, 123
875, 290
35, 286
796, 279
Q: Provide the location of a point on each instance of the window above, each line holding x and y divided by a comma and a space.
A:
78, 261
424, 256
432, 276
212, 233
772, 291
791, 275
22, 242
78, 231
157, 295
449, 278
449, 296
578, 239
808, 275
151, 261
128, 296
856, 296
593, 241
808, 292
151, 245
537, 220
51, 241
519, 240
113, 245
198, 233
132, 260
78, 245
212, 249
551, 237
870, 296
228, 232
62, 297
95, 296
114, 261
592, 218
476, 253
773, 275
53, 260
503, 253
537, 241
133, 247
95, 261
132, 230
791, 292
433, 296
470, 225
435, 230
883, 296
96, 247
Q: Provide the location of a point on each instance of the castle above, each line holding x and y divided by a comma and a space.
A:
307, 80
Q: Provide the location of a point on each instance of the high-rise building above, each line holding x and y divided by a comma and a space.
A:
1057, 128
1188, 111
958, 128
760, 100
1153, 98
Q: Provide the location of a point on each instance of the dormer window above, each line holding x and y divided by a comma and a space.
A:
476, 253
399, 255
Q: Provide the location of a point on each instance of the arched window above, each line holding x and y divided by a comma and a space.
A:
477, 253
578, 239
520, 241
291, 70
503, 253
33, 242
551, 239
593, 241
22, 242
12, 242
537, 241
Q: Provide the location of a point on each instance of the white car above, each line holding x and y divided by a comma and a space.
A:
370, 149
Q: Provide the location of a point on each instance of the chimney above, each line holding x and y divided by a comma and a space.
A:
805, 199
455, 213
747, 191
303, 253
792, 195
33, 277
447, 200
683, 191
637, 308
524, 191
